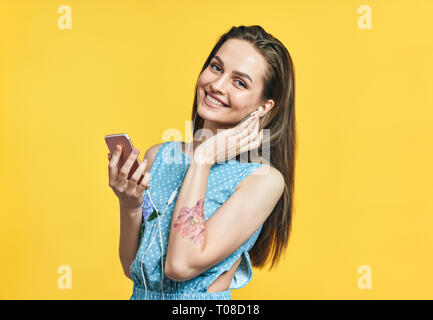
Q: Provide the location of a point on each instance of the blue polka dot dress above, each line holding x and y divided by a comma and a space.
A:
166, 174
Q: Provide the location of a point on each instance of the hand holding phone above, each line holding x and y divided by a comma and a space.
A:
126, 173
124, 141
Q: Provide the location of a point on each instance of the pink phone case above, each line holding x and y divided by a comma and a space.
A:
123, 139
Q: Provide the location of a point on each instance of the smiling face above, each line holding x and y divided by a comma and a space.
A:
234, 76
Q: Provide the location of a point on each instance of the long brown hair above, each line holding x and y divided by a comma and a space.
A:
279, 85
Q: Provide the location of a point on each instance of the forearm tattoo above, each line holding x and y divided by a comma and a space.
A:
191, 222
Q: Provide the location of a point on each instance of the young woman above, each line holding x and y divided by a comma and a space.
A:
227, 213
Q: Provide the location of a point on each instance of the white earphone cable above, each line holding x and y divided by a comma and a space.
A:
169, 201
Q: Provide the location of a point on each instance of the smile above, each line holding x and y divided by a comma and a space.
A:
211, 102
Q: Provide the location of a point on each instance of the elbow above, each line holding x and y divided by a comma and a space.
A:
127, 274
177, 272
127, 271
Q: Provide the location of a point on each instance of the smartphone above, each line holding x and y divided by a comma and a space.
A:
123, 139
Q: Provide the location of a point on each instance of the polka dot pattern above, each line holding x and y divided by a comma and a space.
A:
166, 175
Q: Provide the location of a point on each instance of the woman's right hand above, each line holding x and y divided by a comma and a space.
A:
129, 192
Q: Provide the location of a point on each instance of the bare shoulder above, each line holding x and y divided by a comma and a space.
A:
265, 176
151, 154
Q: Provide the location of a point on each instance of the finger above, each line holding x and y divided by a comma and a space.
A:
137, 174
247, 122
238, 131
257, 124
112, 166
238, 128
254, 121
249, 142
259, 138
144, 184
248, 147
124, 171
236, 140
249, 128
117, 153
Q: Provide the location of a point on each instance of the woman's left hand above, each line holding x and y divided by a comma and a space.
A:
228, 143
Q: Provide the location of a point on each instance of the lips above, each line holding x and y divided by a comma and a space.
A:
207, 93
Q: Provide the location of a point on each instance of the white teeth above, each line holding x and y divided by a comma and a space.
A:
213, 100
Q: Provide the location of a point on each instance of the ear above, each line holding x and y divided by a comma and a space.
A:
267, 107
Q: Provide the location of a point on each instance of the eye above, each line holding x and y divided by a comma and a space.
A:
215, 65
243, 83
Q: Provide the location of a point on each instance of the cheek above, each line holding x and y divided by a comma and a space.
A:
205, 78
243, 99
201, 84
238, 103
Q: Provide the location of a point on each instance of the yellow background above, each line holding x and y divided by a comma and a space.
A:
364, 192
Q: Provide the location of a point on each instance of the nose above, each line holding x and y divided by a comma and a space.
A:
219, 85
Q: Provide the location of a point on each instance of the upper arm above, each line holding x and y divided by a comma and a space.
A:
238, 218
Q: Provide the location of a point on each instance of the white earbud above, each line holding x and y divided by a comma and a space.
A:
259, 109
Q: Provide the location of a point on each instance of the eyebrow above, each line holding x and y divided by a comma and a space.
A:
234, 71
